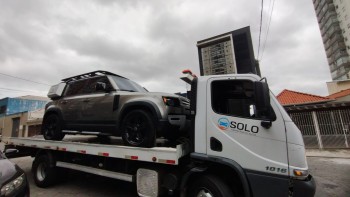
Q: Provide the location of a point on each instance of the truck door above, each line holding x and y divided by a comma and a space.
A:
235, 131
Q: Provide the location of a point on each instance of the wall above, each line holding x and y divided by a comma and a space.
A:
337, 86
16, 105
8, 123
3, 106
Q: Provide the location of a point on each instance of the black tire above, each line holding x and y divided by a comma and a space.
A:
52, 128
44, 171
209, 185
138, 129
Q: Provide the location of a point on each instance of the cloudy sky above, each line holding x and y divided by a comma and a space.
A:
151, 41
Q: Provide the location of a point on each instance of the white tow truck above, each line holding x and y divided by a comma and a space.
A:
241, 143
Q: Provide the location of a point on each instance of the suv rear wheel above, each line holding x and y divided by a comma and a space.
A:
51, 128
138, 129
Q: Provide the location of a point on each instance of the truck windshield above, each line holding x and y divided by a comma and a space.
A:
127, 85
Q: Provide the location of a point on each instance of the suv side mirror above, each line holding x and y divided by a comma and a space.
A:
11, 152
100, 86
262, 99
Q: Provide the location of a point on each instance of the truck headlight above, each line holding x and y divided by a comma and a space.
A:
12, 186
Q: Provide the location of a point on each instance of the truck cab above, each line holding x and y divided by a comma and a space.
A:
238, 124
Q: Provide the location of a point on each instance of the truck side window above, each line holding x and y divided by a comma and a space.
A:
233, 98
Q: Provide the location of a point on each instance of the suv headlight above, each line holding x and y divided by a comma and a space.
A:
170, 101
12, 186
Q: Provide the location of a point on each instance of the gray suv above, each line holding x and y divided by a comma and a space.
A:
102, 103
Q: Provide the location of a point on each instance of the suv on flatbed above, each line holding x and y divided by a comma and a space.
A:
102, 103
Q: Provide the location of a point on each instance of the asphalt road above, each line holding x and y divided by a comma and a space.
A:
332, 177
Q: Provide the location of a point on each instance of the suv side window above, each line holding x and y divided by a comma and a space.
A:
233, 98
75, 88
90, 87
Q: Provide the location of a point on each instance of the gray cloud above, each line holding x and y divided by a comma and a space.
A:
151, 41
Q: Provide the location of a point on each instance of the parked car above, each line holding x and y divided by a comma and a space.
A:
103, 103
13, 180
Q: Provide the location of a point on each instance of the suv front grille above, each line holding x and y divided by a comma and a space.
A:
185, 102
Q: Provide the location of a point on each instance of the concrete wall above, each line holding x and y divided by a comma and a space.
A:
337, 86
7, 124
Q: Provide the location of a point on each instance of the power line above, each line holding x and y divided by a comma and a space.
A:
16, 90
268, 28
24, 79
261, 15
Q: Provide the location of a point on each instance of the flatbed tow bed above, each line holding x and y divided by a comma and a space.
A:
83, 145
88, 154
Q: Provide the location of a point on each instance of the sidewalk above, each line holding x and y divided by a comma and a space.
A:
330, 153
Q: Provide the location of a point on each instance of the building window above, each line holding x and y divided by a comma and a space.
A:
3, 109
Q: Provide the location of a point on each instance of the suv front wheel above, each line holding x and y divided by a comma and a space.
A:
51, 128
138, 129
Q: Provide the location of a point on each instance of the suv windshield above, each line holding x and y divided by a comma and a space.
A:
127, 85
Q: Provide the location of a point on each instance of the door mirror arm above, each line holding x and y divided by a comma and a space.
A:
266, 124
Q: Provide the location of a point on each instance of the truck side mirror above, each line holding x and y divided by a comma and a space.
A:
262, 99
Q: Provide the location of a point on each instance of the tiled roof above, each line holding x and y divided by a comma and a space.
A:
340, 94
289, 97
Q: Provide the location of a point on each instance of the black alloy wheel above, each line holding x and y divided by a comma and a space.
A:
138, 129
52, 128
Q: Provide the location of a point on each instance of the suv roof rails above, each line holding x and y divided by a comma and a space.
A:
89, 75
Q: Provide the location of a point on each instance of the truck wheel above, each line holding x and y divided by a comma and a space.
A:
52, 129
209, 185
44, 171
138, 129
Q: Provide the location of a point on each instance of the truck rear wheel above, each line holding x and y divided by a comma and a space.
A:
138, 129
209, 186
52, 128
44, 171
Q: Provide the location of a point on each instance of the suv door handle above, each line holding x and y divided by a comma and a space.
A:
86, 100
64, 102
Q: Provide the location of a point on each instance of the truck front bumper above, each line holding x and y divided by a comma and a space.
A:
304, 188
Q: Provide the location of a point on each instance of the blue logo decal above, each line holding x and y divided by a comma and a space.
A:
223, 123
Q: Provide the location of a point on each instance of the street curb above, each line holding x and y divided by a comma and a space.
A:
340, 157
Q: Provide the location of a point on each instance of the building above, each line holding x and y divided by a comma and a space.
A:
294, 98
337, 86
334, 21
22, 124
323, 121
10, 106
227, 53
343, 95
16, 112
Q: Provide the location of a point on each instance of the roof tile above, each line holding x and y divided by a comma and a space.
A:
289, 97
